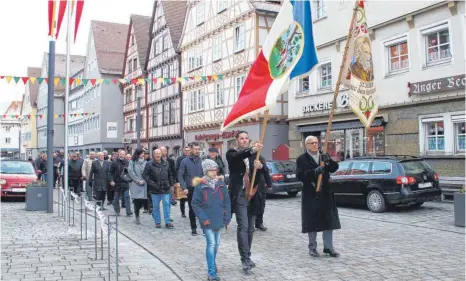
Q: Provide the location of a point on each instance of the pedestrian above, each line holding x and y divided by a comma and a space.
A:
241, 164
86, 169
172, 165
137, 187
129, 157
186, 153
211, 204
213, 155
148, 202
74, 174
56, 161
159, 178
106, 157
98, 178
265, 182
118, 176
43, 167
318, 209
191, 167
37, 165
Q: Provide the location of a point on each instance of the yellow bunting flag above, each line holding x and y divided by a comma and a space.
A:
56, 81
122, 81
8, 79
100, 81
179, 79
55, 116
32, 79
141, 81
77, 81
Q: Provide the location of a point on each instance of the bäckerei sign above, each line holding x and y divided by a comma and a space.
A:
437, 85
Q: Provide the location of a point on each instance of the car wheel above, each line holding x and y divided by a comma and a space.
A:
292, 193
376, 202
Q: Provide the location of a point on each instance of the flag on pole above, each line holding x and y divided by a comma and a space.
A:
358, 70
288, 52
51, 8
61, 14
79, 12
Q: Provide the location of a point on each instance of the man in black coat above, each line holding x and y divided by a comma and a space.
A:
241, 163
186, 153
98, 177
214, 156
318, 209
121, 187
172, 166
74, 174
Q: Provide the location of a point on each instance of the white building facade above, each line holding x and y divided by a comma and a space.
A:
418, 53
224, 38
10, 130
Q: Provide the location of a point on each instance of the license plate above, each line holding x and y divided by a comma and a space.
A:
292, 176
425, 184
18, 190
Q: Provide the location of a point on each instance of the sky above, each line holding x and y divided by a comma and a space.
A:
25, 27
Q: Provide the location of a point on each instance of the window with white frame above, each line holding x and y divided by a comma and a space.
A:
435, 136
166, 114
217, 48
199, 57
165, 42
239, 38
159, 10
164, 75
200, 99
200, 14
321, 9
193, 101
304, 85
135, 64
239, 81
325, 72
7, 140
172, 68
172, 113
221, 5
154, 116
437, 44
398, 58
459, 135
219, 94
191, 60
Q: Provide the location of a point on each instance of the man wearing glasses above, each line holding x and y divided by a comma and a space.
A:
318, 209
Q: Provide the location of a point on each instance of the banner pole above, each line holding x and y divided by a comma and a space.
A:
261, 140
337, 90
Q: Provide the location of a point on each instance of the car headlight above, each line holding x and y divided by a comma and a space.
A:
2, 181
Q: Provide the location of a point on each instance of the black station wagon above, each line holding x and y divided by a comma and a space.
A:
385, 181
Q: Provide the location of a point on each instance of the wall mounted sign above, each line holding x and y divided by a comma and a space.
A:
437, 85
342, 101
214, 137
112, 130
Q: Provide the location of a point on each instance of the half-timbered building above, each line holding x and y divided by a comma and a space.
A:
224, 38
164, 98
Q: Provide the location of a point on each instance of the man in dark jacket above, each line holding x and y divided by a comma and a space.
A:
318, 209
120, 186
190, 168
213, 155
98, 177
43, 167
37, 163
241, 164
172, 166
159, 178
186, 153
74, 174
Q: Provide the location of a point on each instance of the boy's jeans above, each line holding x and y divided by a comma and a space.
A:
116, 201
212, 237
165, 198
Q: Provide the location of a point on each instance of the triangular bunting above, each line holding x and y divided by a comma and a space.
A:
85, 81
46, 80
167, 80
55, 81
209, 77
63, 81
71, 115
148, 80
220, 77
114, 81
141, 81
55, 116
107, 81
122, 81
78, 81
214, 77
134, 81
186, 78
39, 80
204, 78
179, 79
16, 79
86, 114
93, 81
100, 81
173, 80
25, 80
8, 79
32, 79
71, 81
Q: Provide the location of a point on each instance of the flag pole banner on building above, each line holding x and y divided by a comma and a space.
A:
288, 52
358, 71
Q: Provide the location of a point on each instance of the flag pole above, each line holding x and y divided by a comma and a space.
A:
67, 95
261, 140
337, 89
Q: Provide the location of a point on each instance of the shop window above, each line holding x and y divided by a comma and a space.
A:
354, 143
360, 168
435, 136
336, 144
376, 141
460, 145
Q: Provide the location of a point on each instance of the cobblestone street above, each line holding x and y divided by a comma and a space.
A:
404, 244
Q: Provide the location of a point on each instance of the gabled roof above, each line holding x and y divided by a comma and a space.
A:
174, 13
141, 25
14, 107
109, 42
76, 63
33, 87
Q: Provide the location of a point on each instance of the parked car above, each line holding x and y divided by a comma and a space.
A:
385, 181
283, 174
15, 175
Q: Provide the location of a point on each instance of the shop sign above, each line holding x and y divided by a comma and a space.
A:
438, 85
214, 137
321, 106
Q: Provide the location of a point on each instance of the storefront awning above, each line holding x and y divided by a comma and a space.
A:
344, 125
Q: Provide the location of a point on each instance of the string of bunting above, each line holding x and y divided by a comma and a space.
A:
56, 116
93, 81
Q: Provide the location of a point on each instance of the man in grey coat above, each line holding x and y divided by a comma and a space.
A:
138, 186
98, 178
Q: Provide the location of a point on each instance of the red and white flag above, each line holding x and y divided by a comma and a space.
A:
289, 47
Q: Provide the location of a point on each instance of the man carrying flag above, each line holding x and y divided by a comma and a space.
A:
288, 52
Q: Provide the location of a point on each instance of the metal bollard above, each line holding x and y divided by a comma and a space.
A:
58, 199
81, 221
73, 210
95, 229
116, 246
101, 244
85, 220
108, 243
69, 206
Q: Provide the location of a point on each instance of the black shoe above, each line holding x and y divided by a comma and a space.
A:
314, 253
332, 253
169, 225
129, 214
261, 227
183, 215
245, 266
193, 232
251, 264
109, 203
158, 225
145, 211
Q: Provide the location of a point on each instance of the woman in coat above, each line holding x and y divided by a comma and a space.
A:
319, 212
138, 186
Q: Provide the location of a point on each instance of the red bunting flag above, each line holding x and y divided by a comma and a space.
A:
25, 79
46, 80
173, 80
93, 81
115, 81
61, 14
134, 81
209, 78
71, 81
79, 11
51, 16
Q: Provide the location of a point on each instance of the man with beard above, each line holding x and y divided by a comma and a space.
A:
241, 164
318, 209
362, 67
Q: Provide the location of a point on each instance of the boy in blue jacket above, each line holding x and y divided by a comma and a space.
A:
211, 204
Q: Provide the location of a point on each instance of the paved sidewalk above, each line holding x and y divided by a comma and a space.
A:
41, 246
